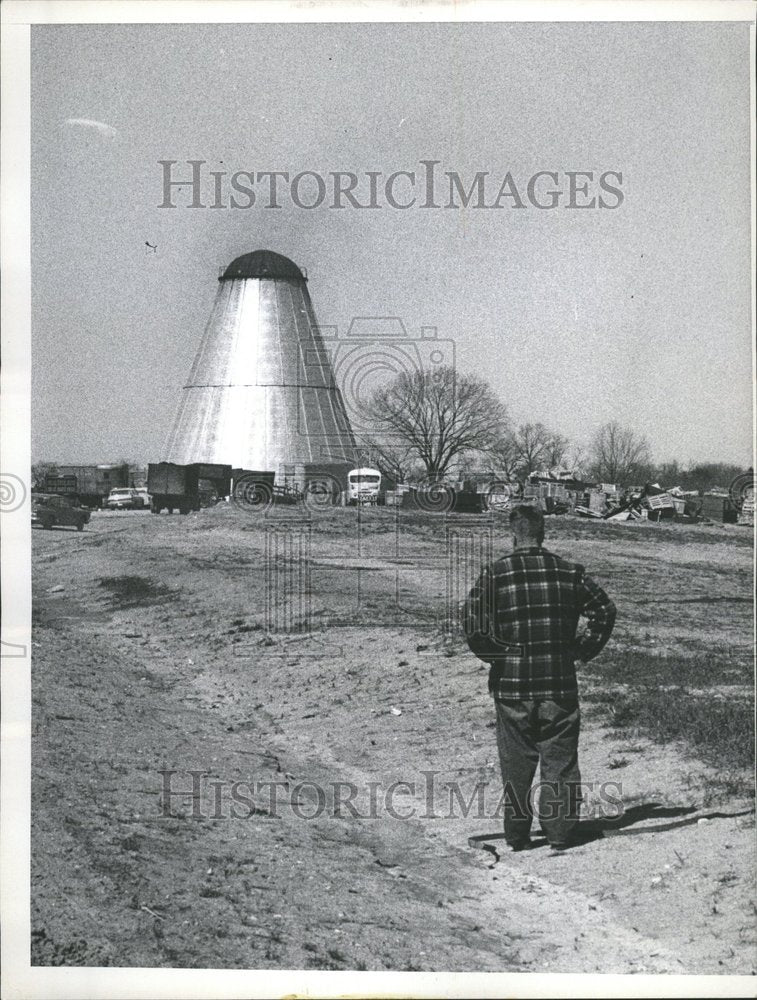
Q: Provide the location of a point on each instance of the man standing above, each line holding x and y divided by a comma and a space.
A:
521, 618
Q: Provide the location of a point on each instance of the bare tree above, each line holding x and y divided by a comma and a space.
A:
667, 473
40, 470
395, 459
531, 447
705, 475
505, 457
440, 415
555, 450
619, 454
531, 441
577, 460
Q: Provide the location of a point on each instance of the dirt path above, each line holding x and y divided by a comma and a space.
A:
182, 678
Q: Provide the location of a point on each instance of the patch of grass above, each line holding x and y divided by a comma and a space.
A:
617, 762
649, 534
741, 574
727, 786
669, 698
703, 670
719, 732
74, 951
334, 960
135, 591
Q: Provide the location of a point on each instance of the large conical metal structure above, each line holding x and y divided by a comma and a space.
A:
261, 393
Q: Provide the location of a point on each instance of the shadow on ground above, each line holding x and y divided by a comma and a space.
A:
590, 830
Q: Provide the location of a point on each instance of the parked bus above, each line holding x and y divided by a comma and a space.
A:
363, 486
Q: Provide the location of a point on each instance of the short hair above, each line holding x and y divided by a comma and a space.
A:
528, 521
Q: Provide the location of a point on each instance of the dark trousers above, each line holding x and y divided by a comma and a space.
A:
539, 732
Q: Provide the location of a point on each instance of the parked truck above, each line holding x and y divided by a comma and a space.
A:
186, 487
214, 482
91, 484
253, 488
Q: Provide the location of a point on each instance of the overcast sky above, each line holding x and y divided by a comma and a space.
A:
639, 313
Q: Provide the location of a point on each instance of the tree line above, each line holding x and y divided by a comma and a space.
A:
427, 425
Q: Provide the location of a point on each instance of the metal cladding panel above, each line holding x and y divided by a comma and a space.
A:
261, 393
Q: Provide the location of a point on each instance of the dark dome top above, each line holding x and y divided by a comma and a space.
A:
262, 264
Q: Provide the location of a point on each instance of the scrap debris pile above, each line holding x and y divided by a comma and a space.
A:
651, 502
561, 493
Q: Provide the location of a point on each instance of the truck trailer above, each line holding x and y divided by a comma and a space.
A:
90, 483
183, 487
175, 487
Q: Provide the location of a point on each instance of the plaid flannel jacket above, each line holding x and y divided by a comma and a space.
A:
521, 618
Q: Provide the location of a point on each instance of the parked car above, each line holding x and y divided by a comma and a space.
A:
126, 499
142, 490
49, 510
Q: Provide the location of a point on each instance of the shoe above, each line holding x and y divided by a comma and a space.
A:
555, 850
520, 845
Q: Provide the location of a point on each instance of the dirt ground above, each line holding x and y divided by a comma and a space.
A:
163, 646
